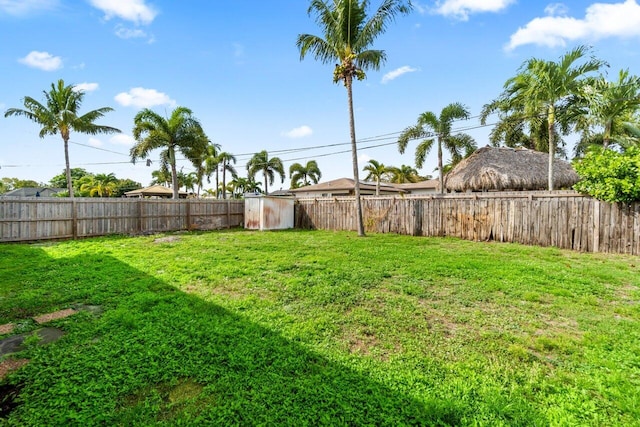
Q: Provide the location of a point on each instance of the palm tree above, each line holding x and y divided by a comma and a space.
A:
438, 129
203, 161
608, 105
261, 162
404, 174
101, 185
376, 171
548, 89
225, 159
348, 36
162, 176
302, 175
60, 115
180, 132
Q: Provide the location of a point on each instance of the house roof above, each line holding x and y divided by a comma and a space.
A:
503, 168
31, 191
345, 184
429, 184
154, 190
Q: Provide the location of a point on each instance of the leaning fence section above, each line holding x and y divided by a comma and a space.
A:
563, 219
31, 219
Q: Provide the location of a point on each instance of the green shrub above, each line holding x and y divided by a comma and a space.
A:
609, 175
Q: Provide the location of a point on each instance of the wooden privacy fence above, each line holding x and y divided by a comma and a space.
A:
29, 219
563, 219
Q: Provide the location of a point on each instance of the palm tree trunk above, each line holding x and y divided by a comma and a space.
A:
440, 174
67, 167
606, 140
217, 184
552, 147
377, 185
174, 174
266, 189
354, 155
224, 179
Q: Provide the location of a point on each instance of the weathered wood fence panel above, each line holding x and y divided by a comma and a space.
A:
30, 219
562, 219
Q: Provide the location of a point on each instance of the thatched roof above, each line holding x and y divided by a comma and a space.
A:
502, 168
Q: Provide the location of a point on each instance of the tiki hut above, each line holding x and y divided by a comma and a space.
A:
503, 168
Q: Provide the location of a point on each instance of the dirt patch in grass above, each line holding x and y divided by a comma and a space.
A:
9, 365
168, 239
55, 315
7, 328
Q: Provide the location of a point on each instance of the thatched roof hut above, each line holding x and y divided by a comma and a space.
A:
503, 168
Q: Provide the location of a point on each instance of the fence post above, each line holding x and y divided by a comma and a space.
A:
596, 225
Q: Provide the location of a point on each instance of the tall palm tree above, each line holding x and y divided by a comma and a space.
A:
302, 175
60, 115
225, 159
261, 162
437, 129
548, 89
404, 174
376, 171
348, 36
180, 132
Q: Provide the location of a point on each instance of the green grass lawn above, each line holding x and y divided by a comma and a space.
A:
323, 328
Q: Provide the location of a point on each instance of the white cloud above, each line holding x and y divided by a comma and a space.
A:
143, 98
95, 142
299, 132
86, 87
24, 7
556, 9
601, 20
122, 139
392, 75
129, 33
461, 9
42, 60
130, 10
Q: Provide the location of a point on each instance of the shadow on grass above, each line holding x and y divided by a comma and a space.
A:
156, 354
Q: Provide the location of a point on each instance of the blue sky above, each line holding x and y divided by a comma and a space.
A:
236, 65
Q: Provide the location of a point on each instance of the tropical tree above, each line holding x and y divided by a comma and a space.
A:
549, 89
204, 160
302, 175
375, 171
347, 40
180, 132
608, 105
437, 129
404, 174
100, 185
162, 176
59, 114
225, 160
261, 162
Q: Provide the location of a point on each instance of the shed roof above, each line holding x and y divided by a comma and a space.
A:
154, 190
503, 168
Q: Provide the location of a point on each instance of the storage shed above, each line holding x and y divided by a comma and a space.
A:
268, 212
